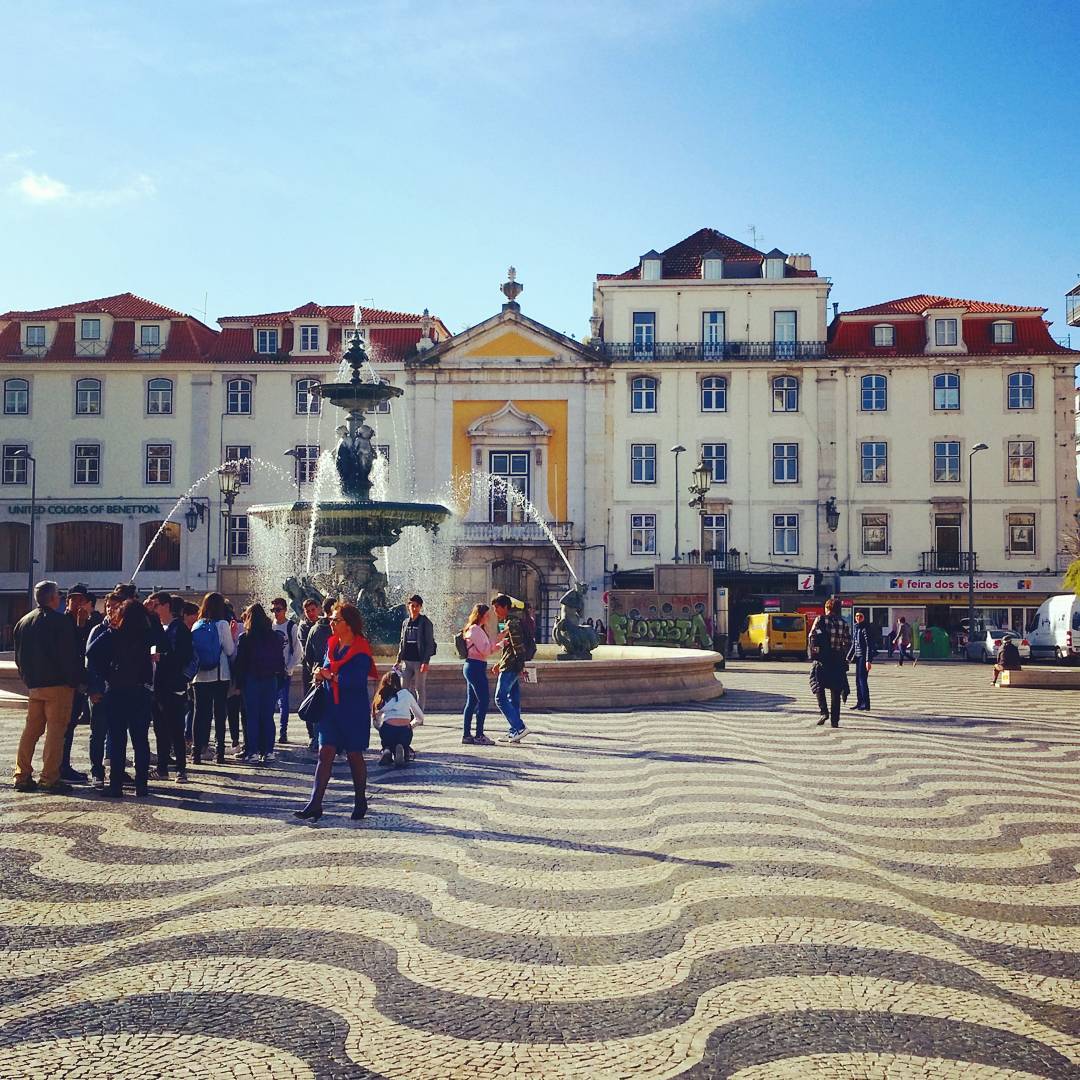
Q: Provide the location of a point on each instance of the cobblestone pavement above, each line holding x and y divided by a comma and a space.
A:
723, 891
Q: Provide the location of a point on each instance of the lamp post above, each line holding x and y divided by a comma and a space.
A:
971, 551
229, 482
33, 521
677, 450
701, 480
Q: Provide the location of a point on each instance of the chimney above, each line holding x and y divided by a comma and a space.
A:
835, 309
799, 261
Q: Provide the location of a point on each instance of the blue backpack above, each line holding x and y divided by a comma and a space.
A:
207, 644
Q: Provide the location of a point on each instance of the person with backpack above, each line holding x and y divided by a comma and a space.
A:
395, 712
290, 647
516, 648
474, 646
417, 647
175, 666
212, 639
830, 640
258, 669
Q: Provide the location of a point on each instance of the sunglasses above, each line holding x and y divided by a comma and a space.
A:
275, 610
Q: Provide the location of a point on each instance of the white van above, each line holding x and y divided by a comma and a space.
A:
1055, 629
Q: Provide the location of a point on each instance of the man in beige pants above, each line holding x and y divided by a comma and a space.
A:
47, 656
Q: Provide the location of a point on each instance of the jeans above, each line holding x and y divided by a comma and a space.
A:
189, 715
129, 711
862, 683
234, 709
414, 680
478, 696
834, 712
392, 734
211, 699
169, 730
904, 649
99, 736
260, 698
508, 698
80, 713
282, 693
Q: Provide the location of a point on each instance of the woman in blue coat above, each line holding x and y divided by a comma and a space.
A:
345, 720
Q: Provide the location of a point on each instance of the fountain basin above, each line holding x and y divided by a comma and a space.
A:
346, 520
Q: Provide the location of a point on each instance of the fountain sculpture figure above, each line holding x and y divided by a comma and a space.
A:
355, 525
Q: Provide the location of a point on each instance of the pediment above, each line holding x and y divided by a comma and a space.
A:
509, 422
512, 343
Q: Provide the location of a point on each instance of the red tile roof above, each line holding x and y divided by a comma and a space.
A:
336, 313
122, 306
236, 344
916, 305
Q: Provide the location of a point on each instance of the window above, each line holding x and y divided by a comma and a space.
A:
307, 460
946, 462
884, 336
87, 463
785, 332
712, 269
643, 463
714, 394
80, 546
243, 455
785, 534
875, 534
165, 554
266, 341
1021, 462
1021, 390
159, 464
510, 472
712, 334
307, 398
785, 463
873, 463
15, 469
714, 455
382, 407
16, 397
149, 336
642, 534
159, 397
382, 450
35, 336
644, 333
88, 397
90, 329
14, 547
1003, 332
650, 269
643, 395
713, 533
238, 540
238, 397
875, 393
785, 394
944, 331
309, 339
1021, 534
946, 391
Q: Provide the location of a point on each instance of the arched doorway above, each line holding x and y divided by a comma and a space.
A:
523, 581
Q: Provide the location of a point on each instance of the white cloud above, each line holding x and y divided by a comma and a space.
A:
42, 189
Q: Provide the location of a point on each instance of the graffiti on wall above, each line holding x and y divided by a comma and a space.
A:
649, 618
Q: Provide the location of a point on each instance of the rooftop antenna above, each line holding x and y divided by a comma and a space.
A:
202, 311
756, 239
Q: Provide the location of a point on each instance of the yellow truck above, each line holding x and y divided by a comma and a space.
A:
773, 633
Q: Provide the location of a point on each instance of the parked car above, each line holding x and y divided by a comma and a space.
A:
773, 633
991, 645
1055, 629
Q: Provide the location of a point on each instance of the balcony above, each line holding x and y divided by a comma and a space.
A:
516, 532
951, 562
705, 352
730, 561
147, 352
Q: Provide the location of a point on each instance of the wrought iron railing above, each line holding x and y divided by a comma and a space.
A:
90, 348
707, 351
36, 351
937, 562
147, 352
730, 560
516, 532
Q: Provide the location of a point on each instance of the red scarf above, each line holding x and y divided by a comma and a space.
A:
360, 646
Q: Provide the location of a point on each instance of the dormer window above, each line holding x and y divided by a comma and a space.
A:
35, 336
266, 342
149, 336
1004, 332
651, 266
712, 266
884, 336
90, 329
309, 339
945, 332
774, 264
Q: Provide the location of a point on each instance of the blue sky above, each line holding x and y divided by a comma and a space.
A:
264, 154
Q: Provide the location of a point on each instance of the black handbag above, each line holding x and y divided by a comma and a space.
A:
312, 708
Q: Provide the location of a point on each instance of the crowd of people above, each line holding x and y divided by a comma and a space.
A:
198, 676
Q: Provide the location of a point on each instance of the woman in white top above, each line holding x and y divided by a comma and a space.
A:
478, 695
395, 713
211, 681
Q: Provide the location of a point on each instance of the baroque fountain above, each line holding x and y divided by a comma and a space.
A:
354, 525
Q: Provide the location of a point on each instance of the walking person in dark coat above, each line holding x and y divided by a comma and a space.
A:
258, 671
902, 640
830, 640
861, 654
174, 666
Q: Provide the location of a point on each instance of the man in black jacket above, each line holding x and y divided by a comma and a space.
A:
416, 649
315, 642
861, 654
49, 662
170, 690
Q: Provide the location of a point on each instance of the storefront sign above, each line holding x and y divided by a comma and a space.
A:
945, 583
84, 508
650, 618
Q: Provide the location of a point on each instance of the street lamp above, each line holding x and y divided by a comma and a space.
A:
832, 514
677, 450
971, 551
229, 482
25, 453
